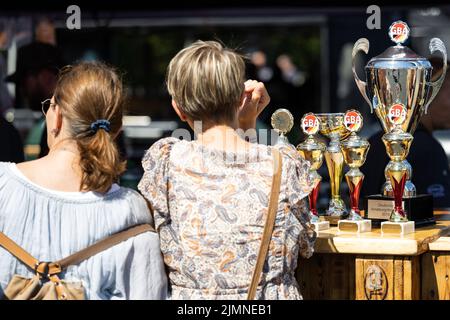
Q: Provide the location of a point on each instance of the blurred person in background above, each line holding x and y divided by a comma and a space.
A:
6, 102
292, 80
429, 162
45, 31
263, 72
11, 147
289, 71
37, 68
259, 69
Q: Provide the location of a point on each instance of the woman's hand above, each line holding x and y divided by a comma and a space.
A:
255, 100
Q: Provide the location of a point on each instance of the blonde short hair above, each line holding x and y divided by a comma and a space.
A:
206, 80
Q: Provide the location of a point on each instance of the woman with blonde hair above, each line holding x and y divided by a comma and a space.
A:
213, 198
69, 200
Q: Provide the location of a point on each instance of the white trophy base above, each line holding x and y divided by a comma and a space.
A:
355, 226
400, 228
321, 225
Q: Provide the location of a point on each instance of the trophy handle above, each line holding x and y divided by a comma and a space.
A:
437, 45
361, 45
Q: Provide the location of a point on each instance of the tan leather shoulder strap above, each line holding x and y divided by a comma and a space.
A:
103, 245
56, 267
270, 222
13, 248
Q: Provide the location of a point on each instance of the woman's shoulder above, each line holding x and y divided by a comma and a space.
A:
292, 158
164, 144
4, 166
138, 206
8, 174
296, 173
159, 151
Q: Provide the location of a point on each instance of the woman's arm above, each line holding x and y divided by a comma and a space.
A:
139, 269
255, 99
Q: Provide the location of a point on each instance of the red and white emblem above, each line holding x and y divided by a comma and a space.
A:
353, 120
399, 32
310, 123
397, 114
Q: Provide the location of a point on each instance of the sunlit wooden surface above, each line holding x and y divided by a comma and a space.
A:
379, 267
332, 241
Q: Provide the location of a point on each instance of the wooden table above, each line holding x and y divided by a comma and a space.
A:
375, 266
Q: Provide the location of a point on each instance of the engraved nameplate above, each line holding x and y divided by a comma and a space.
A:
380, 209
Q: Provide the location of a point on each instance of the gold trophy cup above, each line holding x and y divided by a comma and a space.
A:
355, 151
332, 126
312, 151
397, 143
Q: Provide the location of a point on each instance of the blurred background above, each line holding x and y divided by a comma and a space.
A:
301, 53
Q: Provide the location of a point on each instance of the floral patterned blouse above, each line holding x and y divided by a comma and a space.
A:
210, 208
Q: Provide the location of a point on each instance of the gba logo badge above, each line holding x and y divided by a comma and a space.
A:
310, 124
353, 120
397, 114
399, 32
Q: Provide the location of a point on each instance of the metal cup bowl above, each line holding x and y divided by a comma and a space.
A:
332, 125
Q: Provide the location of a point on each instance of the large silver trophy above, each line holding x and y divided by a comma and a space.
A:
399, 77
399, 89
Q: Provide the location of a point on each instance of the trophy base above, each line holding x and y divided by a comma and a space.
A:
355, 226
400, 228
320, 226
419, 209
333, 220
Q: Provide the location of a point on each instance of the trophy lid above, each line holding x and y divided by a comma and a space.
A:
311, 144
355, 141
398, 56
282, 121
353, 122
310, 126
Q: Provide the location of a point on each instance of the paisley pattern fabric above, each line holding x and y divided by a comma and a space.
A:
210, 208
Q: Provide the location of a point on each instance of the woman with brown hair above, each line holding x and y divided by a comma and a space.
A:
68, 200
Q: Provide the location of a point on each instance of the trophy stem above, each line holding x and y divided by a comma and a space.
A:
397, 147
335, 165
354, 180
398, 180
410, 188
282, 139
313, 213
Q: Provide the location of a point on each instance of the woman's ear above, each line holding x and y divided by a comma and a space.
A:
243, 96
179, 112
58, 118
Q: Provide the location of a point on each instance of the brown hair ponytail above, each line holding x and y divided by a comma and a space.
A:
90, 95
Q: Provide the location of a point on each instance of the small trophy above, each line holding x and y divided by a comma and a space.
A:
355, 151
312, 151
331, 125
282, 122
